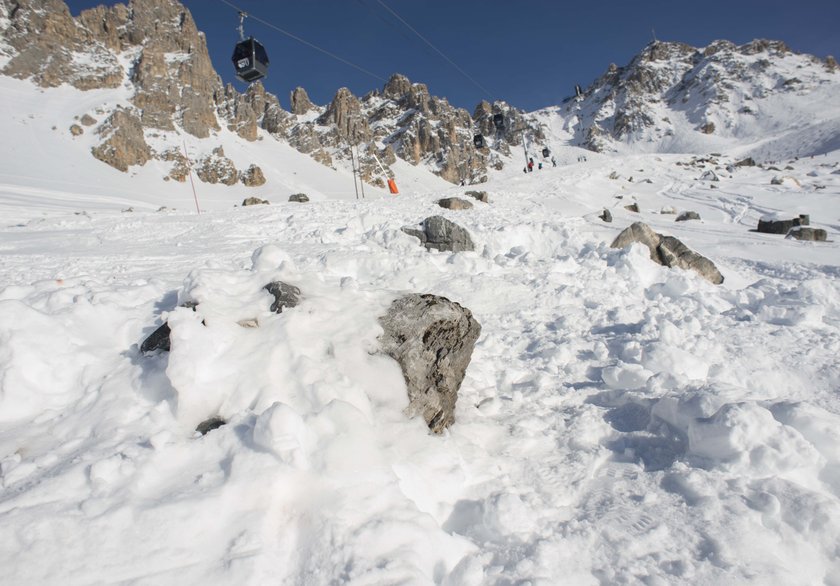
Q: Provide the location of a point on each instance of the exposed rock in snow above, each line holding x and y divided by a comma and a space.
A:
668, 251
285, 295
774, 225
432, 338
805, 233
688, 215
454, 203
441, 234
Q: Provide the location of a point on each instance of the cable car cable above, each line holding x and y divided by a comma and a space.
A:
304, 41
487, 92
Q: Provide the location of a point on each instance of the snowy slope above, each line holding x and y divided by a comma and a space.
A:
619, 422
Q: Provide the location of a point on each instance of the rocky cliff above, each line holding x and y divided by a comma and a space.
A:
153, 50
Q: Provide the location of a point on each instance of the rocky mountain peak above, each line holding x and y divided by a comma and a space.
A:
300, 102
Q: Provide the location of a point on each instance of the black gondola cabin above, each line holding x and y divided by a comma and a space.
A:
499, 120
546, 152
478, 141
250, 60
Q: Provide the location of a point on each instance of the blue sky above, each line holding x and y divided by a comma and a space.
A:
528, 53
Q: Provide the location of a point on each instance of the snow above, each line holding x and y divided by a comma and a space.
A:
619, 422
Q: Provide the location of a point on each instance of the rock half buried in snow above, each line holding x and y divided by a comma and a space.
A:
299, 198
668, 251
441, 234
807, 233
455, 203
432, 339
770, 225
479, 195
285, 295
685, 216
159, 339
254, 201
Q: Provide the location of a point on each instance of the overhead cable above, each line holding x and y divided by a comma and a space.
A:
487, 92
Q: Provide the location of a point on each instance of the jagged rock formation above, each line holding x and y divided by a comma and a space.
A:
432, 339
672, 95
176, 90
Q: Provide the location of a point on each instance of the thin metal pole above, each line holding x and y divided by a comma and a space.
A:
189, 172
353, 164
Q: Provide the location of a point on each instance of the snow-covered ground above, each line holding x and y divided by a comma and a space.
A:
620, 422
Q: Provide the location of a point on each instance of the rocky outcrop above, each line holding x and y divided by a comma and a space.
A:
217, 168
668, 251
298, 198
252, 177
300, 102
345, 114
124, 143
438, 233
432, 339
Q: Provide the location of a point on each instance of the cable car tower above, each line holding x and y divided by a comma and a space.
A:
249, 57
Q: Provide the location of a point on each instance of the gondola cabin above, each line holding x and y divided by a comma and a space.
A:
499, 120
250, 60
546, 152
478, 141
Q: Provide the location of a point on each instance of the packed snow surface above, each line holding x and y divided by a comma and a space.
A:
620, 422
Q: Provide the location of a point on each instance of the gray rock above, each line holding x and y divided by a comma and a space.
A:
432, 339
299, 198
782, 226
674, 253
285, 295
805, 233
633, 207
455, 203
210, 424
748, 162
606, 215
479, 195
254, 201
709, 176
159, 339
639, 232
685, 216
442, 234
668, 251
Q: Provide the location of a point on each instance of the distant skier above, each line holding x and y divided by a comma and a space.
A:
530, 165
540, 166
553, 162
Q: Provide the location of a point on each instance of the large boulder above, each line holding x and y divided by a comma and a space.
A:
668, 251
441, 234
432, 339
